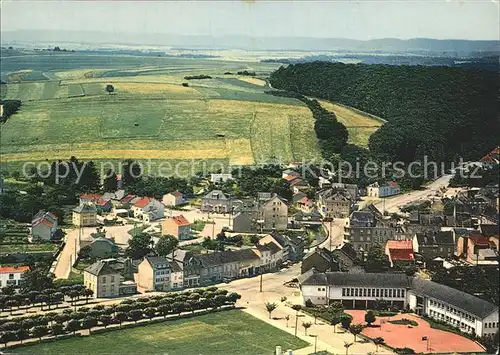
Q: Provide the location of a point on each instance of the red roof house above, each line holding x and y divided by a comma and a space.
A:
399, 250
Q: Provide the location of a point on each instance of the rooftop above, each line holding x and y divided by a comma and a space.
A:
357, 279
85, 207
13, 269
100, 268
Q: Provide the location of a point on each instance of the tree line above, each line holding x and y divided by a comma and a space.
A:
70, 321
9, 108
441, 112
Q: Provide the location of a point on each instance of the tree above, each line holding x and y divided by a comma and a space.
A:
166, 245
84, 253
22, 334
370, 318
164, 310
287, 318
135, 315
73, 294
150, 312
233, 297
378, 341
355, 330
121, 317
36, 279
139, 246
105, 320
110, 183
27, 324
270, 307
110, 88
254, 239
334, 320
347, 346
306, 326
296, 308
346, 320
89, 323
11, 304
6, 337
131, 172
72, 326
56, 329
39, 331
87, 293
376, 260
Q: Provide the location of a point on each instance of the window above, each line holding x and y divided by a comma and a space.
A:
369, 292
343, 291
385, 292
112, 279
356, 292
104, 279
390, 292
11, 276
364, 292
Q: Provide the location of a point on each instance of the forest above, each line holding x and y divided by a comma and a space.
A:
442, 112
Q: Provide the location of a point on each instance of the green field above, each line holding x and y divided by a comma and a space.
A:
229, 332
227, 120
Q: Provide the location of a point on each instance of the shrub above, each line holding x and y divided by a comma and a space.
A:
405, 350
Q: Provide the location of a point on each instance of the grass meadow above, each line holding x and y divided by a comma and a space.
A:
228, 332
227, 119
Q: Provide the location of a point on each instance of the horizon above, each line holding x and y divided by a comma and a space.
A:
440, 20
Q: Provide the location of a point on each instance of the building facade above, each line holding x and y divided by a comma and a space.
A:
390, 188
11, 275
43, 226
334, 203
216, 201
178, 226
102, 279
85, 215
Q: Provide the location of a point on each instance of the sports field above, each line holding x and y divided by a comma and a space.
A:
229, 332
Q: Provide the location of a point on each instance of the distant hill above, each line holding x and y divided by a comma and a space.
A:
442, 47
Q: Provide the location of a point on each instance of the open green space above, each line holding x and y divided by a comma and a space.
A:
27, 248
228, 332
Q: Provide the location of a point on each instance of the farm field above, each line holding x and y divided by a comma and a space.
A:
228, 332
360, 126
225, 120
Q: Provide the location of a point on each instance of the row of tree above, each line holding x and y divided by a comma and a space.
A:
441, 112
47, 297
69, 321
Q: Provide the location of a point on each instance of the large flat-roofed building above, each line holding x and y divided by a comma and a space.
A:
361, 291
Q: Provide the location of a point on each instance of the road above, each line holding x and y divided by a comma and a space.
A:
392, 204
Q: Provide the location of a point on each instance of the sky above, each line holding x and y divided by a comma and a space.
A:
364, 20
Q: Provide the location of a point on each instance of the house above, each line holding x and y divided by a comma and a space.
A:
178, 226
157, 273
271, 256
365, 228
103, 248
175, 198
227, 265
289, 173
298, 185
291, 245
103, 205
220, 178
12, 275
346, 256
90, 198
399, 251
127, 201
334, 203
85, 215
492, 158
273, 214
190, 267
320, 259
267, 212
216, 201
114, 197
477, 249
305, 204
360, 291
148, 209
43, 226
102, 279
434, 244
390, 188
351, 188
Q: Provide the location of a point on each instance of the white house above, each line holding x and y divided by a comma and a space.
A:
148, 209
43, 225
220, 178
173, 199
11, 275
390, 188
424, 297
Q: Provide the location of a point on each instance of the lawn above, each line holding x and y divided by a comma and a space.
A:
228, 332
27, 248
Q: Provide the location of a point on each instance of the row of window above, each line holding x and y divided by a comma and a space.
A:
451, 310
491, 325
373, 292
104, 279
10, 282
163, 272
452, 321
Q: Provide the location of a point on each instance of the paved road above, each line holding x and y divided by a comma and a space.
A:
392, 204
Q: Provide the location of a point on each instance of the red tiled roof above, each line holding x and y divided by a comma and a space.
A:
392, 183
305, 200
290, 177
479, 239
401, 254
180, 220
399, 244
12, 270
127, 198
102, 202
42, 220
176, 193
142, 202
92, 197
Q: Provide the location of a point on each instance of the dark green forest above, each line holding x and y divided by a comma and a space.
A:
442, 112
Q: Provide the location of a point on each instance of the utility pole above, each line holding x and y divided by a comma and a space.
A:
330, 234
260, 284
